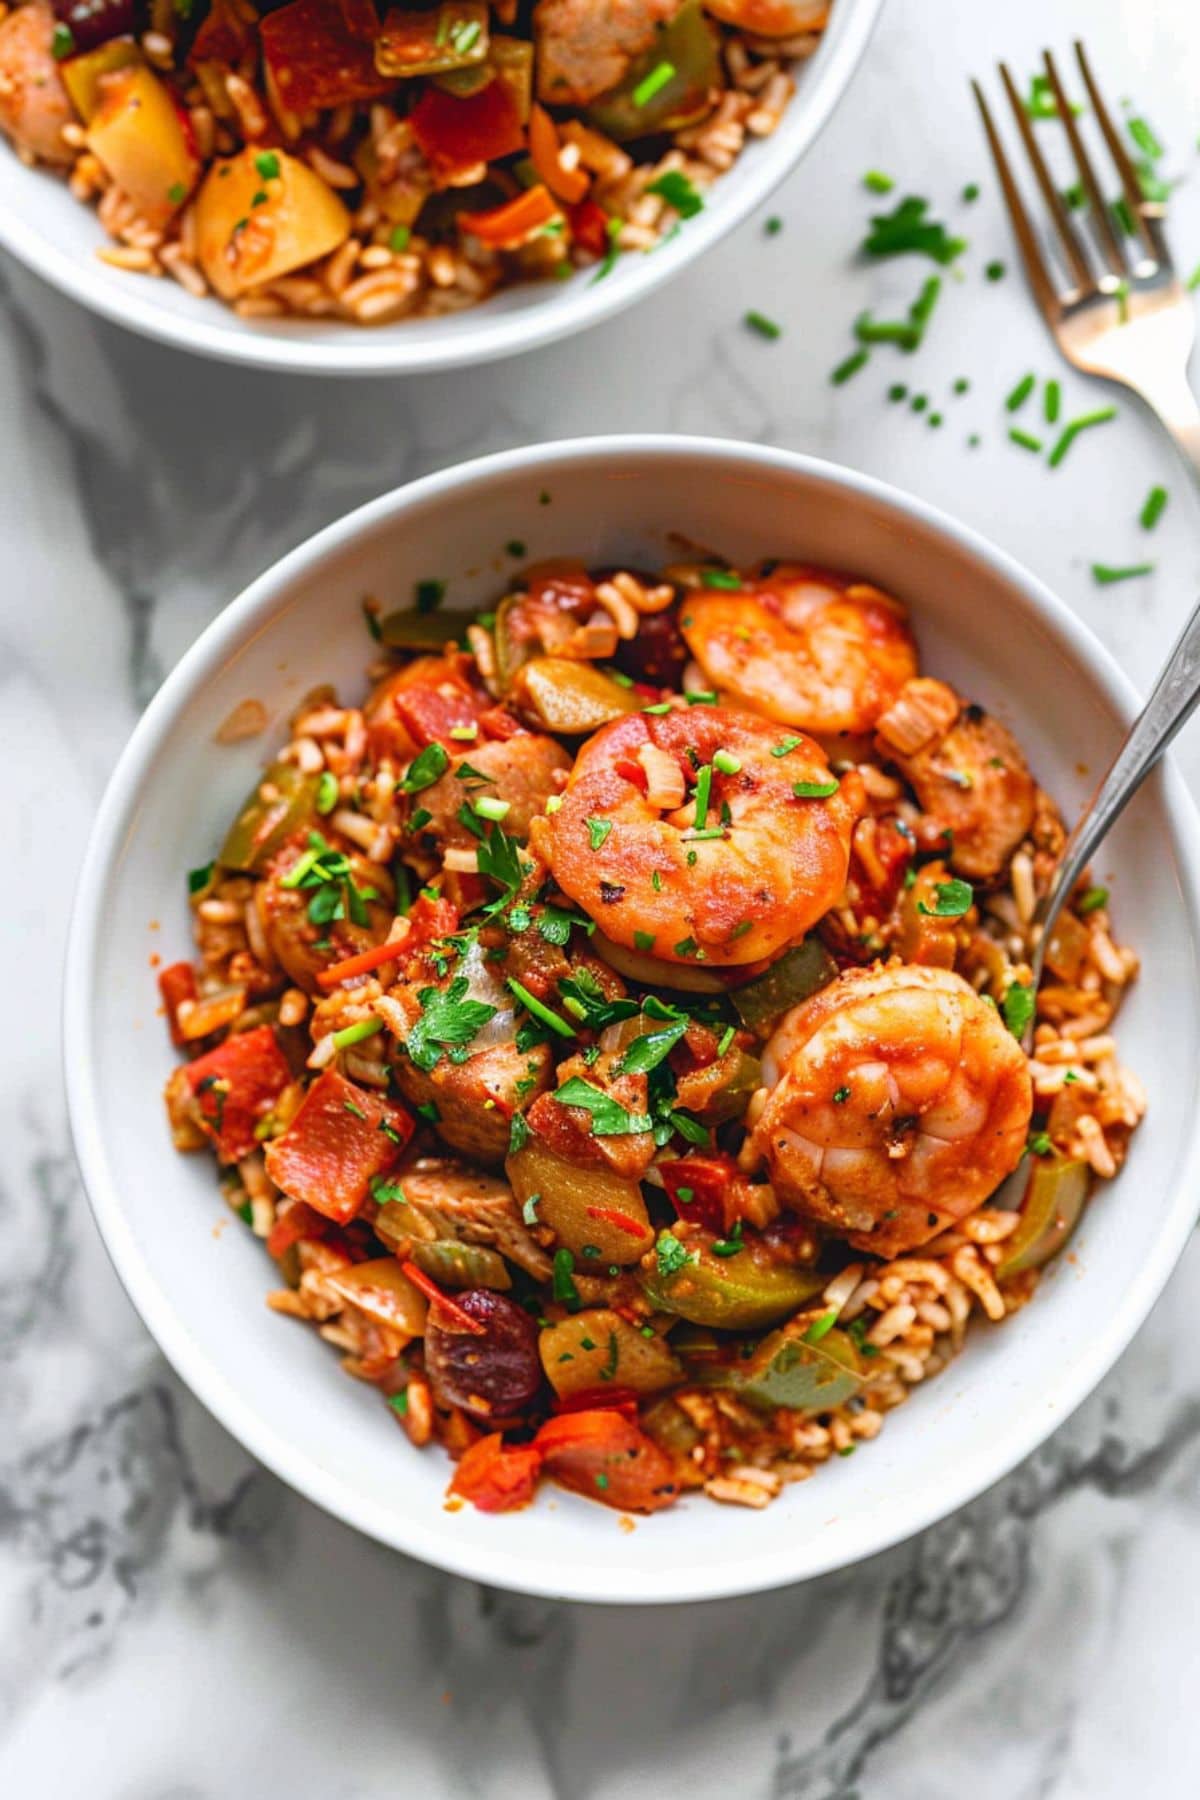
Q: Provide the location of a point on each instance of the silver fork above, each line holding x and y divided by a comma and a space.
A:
1124, 312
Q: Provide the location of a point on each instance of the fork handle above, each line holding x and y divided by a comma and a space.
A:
1176, 694
1171, 397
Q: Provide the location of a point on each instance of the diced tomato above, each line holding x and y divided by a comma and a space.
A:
498, 722
631, 770
314, 60
299, 1221
457, 132
495, 1479
706, 1180
175, 984
431, 714
342, 1135
235, 1087
430, 920
224, 35
589, 227
360, 18
605, 1456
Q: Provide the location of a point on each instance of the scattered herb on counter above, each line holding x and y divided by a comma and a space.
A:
876, 182
1153, 509
1105, 574
765, 327
857, 360
908, 229
1100, 416
1026, 440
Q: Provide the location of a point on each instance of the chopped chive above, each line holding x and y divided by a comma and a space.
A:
464, 734
1104, 574
354, 1034
1020, 393
897, 391
1193, 280
489, 807
1152, 511
653, 83
765, 327
428, 595
814, 790
327, 793
919, 402
934, 420
851, 366
643, 940
961, 385
720, 578
1026, 440
1051, 401
1092, 900
267, 164
703, 793
62, 42
876, 182
994, 271
1144, 138
773, 227
538, 1010
701, 697
399, 239
1071, 431
515, 547
727, 763
971, 192
680, 194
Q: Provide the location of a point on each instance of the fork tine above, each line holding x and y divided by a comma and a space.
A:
1068, 236
1152, 239
1035, 266
1114, 254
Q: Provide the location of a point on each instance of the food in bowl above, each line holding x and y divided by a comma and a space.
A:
323, 159
612, 1028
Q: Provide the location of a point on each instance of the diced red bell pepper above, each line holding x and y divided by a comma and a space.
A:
495, 1479
707, 1179
342, 1135
299, 1221
604, 1455
631, 770
235, 1087
176, 984
313, 59
457, 132
589, 227
599, 1399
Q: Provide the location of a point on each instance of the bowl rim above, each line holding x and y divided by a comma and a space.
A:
250, 612
502, 334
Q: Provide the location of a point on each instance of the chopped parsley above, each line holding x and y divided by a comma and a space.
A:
449, 1020
198, 879
840, 1096
399, 1402
398, 242
679, 193
646, 1052
518, 1133
62, 42
428, 595
426, 768
387, 1193
327, 793
598, 830
731, 1245
720, 578
643, 940
671, 1254
951, 899
1017, 1008
609, 1117
1041, 1144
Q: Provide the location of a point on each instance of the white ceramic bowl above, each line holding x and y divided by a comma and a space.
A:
982, 622
42, 225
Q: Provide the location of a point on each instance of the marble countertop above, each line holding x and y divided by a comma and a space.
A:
174, 1624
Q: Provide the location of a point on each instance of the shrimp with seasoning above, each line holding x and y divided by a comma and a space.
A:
803, 646
897, 1101
701, 834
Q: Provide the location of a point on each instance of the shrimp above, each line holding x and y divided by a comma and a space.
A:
683, 835
34, 104
803, 646
897, 1103
967, 771
771, 18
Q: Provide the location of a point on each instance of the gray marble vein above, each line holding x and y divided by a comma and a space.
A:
174, 1623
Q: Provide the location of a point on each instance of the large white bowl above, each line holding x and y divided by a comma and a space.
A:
982, 622
57, 238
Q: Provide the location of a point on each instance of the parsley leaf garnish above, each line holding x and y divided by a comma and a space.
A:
609, 1117
951, 900
448, 1018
